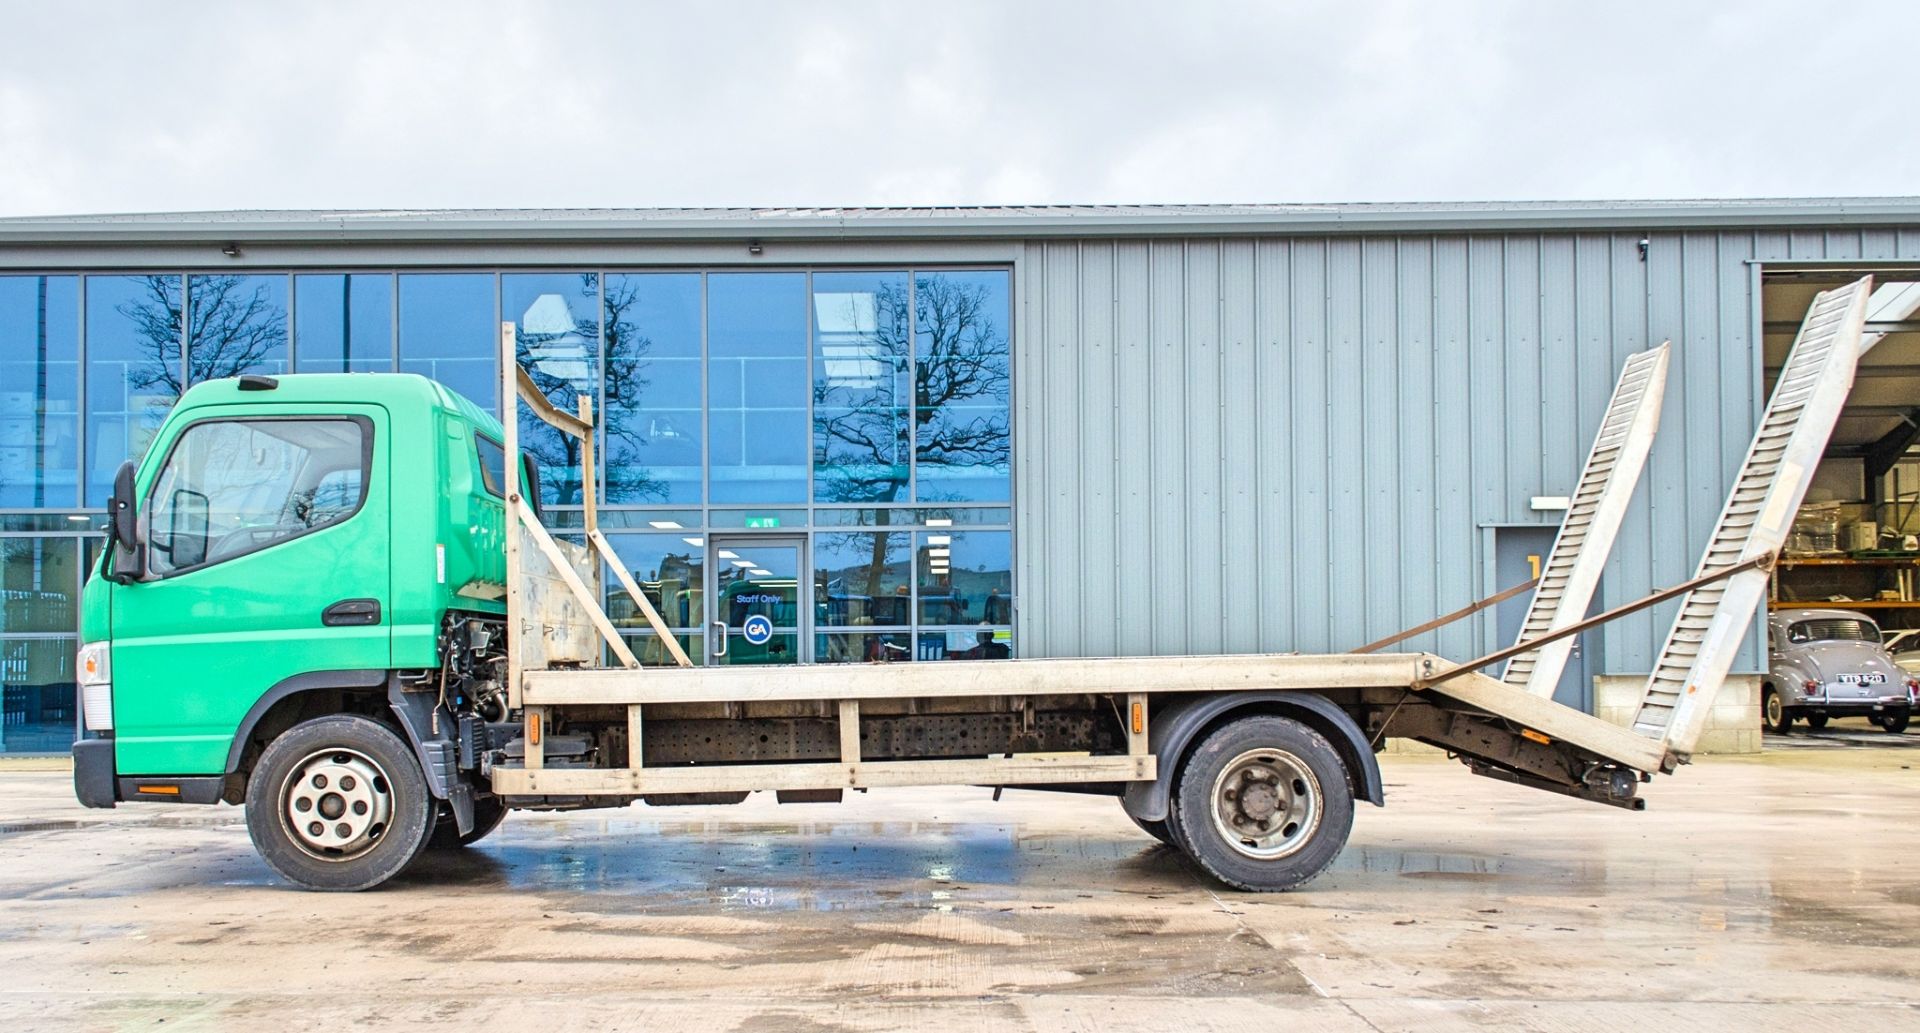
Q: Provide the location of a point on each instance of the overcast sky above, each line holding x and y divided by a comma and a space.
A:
148, 107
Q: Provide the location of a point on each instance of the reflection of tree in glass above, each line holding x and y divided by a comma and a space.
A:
232, 325
961, 364
860, 425
627, 350
563, 381
551, 362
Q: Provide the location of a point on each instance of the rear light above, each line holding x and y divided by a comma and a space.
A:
1812, 687
1913, 690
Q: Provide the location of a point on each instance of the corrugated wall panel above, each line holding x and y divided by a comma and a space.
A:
1299, 444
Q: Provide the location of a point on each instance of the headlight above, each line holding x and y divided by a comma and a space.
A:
95, 668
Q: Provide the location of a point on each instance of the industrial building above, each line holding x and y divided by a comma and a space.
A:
1008, 432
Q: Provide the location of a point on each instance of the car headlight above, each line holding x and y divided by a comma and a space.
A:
95, 666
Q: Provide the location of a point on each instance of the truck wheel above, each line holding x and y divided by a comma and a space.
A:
1774, 713
1894, 721
1263, 804
488, 813
338, 803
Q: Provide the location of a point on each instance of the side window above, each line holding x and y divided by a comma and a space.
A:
493, 465
231, 487
493, 470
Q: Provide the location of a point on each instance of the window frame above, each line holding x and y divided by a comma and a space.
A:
365, 424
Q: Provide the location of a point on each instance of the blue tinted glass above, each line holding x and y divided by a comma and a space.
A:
671, 572
961, 375
39, 391
861, 579
236, 324
861, 387
965, 577
343, 323
653, 388
557, 320
448, 333
757, 386
133, 370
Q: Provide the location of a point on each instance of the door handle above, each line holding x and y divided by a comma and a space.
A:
722, 651
350, 613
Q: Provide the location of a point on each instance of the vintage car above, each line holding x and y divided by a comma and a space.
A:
1829, 663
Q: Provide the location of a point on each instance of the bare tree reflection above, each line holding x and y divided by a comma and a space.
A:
865, 429
232, 326
562, 361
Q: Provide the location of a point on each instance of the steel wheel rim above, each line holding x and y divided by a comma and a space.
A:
336, 804
1774, 708
1266, 804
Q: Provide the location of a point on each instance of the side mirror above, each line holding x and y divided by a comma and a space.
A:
123, 529
187, 529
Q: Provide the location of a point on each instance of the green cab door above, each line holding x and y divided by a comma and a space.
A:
268, 558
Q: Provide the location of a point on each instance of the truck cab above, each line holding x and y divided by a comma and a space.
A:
288, 548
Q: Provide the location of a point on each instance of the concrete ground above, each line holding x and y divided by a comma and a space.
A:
1772, 893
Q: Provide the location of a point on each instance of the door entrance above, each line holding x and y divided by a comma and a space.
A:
1519, 553
760, 609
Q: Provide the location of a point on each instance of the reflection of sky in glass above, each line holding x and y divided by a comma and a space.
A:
757, 386
447, 332
654, 428
39, 391
557, 326
343, 323
133, 370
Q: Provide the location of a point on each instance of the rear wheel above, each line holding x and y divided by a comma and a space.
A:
1775, 713
1263, 804
1894, 721
488, 813
1816, 721
338, 803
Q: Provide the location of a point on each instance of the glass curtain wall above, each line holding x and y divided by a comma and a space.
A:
866, 410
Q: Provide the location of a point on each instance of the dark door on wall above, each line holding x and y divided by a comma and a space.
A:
1519, 553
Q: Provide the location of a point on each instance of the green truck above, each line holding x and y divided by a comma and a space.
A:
326, 597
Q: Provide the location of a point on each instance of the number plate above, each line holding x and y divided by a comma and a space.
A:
1862, 679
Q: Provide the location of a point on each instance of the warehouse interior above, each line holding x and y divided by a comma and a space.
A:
1853, 544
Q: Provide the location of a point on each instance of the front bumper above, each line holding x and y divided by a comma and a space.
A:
93, 777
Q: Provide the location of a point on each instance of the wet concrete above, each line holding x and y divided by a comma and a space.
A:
1780, 892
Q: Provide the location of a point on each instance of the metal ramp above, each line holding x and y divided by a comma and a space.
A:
1572, 570
1714, 617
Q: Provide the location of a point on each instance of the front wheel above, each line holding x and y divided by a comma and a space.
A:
1263, 804
338, 803
1775, 714
1894, 721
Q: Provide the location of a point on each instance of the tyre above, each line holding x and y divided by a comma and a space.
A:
1156, 829
1816, 721
1263, 803
488, 813
1894, 721
1774, 713
338, 803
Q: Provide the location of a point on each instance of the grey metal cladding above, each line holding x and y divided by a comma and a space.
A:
1238, 444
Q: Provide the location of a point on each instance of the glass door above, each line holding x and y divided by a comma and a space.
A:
759, 612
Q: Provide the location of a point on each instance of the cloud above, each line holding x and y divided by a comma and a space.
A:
141, 108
